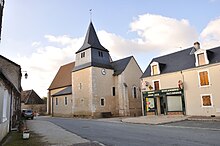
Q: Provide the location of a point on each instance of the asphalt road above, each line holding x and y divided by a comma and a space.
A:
187, 133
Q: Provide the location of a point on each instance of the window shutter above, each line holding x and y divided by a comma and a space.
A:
204, 80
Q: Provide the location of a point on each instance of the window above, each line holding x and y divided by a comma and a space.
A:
83, 54
206, 100
65, 100
156, 85
5, 106
155, 70
113, 91
135, 92
100, 54
80, 86
201, 59
204, 79
56, 101
102, 102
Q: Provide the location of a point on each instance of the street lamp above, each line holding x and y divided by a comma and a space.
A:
25, 75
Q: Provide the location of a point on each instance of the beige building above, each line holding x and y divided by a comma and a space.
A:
100, 87
184, 82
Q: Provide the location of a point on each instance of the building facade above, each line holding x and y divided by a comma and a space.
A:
100, 87
184, 82
31, 100
10, 95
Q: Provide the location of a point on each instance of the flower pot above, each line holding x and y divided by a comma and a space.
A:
26, 134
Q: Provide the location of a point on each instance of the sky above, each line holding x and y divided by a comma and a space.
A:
42, 35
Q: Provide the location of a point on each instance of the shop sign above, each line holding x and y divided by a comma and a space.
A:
171, 91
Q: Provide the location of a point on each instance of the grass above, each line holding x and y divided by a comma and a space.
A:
15, 139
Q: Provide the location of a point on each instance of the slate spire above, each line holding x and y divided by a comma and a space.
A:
91, 40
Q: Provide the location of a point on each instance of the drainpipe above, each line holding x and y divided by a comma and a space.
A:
183, 96
10, 112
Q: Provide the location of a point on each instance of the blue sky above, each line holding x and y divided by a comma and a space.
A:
41, 35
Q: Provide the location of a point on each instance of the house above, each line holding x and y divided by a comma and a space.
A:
184, 82
99, 86
10, 94
31, 100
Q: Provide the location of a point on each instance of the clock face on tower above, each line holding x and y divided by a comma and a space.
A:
103, 71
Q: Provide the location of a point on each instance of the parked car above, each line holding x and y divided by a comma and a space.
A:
27, 113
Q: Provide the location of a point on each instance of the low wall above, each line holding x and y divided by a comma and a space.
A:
39, 108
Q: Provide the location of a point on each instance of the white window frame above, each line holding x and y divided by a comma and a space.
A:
101, 102
208, 78
158, 68
200, 51
153, 84
201, 95
65, 100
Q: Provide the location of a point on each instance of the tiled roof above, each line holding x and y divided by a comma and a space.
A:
120, 65
91, 40
63, 77
67, 90
30, 97
181, 60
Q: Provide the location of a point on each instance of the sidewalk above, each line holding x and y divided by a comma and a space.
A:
57, 136
155, 120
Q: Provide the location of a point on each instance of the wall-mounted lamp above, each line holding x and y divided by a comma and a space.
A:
25, 75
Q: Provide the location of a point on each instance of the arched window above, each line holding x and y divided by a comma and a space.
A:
134, 91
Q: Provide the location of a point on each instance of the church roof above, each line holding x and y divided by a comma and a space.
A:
91, 40
63, 77
120, 65
67, 90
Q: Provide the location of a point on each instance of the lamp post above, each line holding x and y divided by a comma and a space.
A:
25, 75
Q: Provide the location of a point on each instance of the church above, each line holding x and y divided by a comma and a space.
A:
94, 85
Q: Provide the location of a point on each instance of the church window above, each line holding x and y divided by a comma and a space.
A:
83, 54
56, 101
113, 91
100, 54
65, 100
102, 102
134, 92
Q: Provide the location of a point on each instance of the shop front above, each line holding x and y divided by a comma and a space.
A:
164, 102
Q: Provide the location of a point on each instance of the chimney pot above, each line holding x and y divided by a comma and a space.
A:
197, 45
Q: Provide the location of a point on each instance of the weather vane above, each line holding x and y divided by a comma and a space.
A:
90, 12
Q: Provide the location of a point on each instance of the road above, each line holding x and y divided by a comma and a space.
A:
187, 133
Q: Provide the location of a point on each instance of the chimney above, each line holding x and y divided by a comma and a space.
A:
197, 45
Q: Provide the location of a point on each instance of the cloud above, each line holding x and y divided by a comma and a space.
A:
164, 32
210, 35
155, 35
44, 63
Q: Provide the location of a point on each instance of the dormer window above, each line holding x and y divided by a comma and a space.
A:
201, 59
83, 54
155, 70
201, 56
